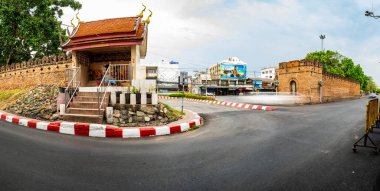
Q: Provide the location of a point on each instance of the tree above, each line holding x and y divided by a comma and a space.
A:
31, 28
335, 63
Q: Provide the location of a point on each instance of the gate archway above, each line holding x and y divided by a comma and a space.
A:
293, 87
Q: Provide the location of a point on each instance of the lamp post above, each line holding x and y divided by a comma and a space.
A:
322, 37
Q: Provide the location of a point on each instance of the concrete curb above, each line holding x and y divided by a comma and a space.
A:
228, 104
99, 130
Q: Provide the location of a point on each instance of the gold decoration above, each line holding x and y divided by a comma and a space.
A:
147, 20
78, 18
72, 24
141, 15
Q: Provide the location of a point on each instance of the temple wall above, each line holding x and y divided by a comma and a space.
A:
45, 71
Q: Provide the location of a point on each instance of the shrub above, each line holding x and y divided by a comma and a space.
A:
173, 114
192, 96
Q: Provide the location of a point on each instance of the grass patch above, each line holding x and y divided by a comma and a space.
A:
173, 114
195, 127
7, 97
191, 96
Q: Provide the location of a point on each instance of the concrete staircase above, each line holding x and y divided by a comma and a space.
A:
84, 108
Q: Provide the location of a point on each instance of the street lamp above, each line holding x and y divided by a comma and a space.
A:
322, 37
371, 14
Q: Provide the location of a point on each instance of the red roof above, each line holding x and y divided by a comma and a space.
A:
110, 32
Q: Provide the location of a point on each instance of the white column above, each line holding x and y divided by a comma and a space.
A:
133, 99
113, 98
143, 99
109, 114
154, 99
62, 108
122, 98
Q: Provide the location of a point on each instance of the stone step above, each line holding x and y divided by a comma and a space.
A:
84, 111
88, 105
89, 99
80, 118
91, 94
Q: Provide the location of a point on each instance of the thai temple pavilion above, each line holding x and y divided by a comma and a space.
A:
118, 42
105, 58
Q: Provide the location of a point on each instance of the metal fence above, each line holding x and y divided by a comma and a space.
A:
120, 72
372, 121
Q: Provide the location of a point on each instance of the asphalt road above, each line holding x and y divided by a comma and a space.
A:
294, 148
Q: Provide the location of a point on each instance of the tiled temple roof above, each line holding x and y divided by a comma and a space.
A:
106, 33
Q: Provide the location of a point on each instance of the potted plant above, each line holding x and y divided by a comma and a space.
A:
149, 94
128, 96
137, 93
61, 87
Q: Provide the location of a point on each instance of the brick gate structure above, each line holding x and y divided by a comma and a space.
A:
307, 78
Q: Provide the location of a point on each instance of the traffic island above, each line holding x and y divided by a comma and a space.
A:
227, 104
190, 121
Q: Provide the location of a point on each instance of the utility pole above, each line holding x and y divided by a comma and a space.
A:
322, 37
183, 91
206, 81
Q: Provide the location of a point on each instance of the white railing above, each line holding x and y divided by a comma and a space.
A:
73, 85
102, 89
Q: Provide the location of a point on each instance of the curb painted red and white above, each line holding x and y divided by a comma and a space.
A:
228, 104
99, 130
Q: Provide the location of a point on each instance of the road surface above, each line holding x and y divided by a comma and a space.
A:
294, 148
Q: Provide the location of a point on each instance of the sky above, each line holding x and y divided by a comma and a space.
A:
262, 33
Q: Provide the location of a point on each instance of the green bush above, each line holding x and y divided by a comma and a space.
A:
189, 95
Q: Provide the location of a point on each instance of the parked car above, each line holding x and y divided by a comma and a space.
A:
372, 96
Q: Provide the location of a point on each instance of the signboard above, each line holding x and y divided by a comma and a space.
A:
173, 62
258, 84
233, 71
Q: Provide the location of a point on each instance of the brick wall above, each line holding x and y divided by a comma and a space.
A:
308, 74
337, 88
48, 70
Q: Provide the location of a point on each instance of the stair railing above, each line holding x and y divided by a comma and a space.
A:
72, 86
102, 89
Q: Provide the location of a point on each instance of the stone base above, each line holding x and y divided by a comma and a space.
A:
139, 115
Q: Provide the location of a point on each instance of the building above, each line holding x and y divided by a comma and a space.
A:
262, 84
200, 80
269, 73
109, 47
307, 79
228, 77
165, 73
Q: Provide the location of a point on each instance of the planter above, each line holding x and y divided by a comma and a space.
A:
118, 96
61, 89
138, 98
149, 98
127, 98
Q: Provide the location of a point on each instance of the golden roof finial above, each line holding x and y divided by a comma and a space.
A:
78, 18
72, 24
141, 15
147, 20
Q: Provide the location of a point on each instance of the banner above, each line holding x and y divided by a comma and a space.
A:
233, 71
